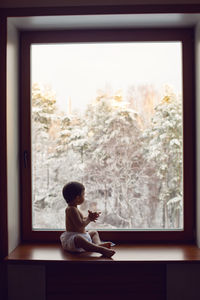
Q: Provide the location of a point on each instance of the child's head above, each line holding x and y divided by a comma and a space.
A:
71, 190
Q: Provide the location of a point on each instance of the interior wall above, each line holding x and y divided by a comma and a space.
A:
197, 59
12, 139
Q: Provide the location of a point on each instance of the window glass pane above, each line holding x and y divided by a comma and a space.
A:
110, 116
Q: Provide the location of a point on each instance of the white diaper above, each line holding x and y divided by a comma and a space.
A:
67, 240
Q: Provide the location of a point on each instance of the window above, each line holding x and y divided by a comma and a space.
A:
148, 127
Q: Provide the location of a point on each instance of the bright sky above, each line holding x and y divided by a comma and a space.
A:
79, 70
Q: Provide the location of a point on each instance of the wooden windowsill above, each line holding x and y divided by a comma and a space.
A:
136, 253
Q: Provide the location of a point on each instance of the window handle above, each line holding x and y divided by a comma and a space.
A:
25, 159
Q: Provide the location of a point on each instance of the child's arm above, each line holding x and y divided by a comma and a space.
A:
77, 219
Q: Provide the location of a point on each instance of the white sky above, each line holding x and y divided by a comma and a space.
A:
79, 70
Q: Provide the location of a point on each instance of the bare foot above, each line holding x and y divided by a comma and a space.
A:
106, 245
107, 252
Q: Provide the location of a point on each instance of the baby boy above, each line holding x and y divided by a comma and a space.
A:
76, 238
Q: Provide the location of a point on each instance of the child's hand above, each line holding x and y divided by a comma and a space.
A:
93, 216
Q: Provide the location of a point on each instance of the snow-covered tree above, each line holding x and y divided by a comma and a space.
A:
44, 134
163, 151
113, 157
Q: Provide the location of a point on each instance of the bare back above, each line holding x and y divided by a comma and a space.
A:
74, 220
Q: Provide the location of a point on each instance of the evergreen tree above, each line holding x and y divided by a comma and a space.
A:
113, 156
164, 144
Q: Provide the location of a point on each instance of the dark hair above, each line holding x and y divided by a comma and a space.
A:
71, 190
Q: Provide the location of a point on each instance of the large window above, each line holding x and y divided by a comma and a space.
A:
111, 110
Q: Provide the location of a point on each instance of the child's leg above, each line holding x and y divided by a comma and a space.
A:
96, 239
80, 242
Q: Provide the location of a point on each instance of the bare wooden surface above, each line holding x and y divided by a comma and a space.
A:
156, 253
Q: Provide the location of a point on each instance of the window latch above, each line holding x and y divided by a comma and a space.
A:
25, 159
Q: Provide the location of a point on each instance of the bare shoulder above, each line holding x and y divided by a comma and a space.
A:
71, 210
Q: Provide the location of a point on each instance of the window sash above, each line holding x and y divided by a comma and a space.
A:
186, 36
